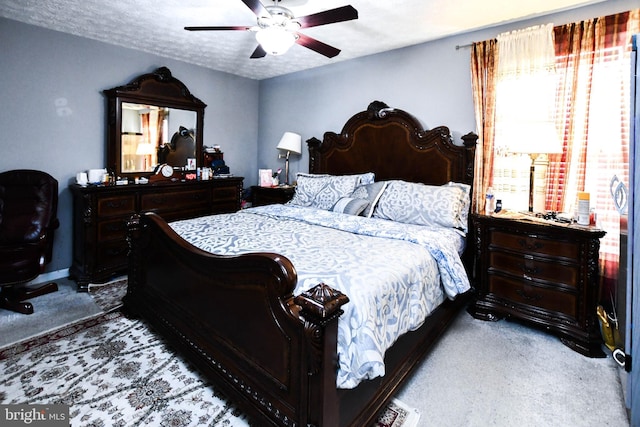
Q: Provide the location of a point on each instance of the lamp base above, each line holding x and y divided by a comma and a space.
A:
532, 172
286, 166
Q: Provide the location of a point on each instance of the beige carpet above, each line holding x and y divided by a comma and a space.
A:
50, 311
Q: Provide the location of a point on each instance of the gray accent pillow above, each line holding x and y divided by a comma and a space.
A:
350, 206
370, 192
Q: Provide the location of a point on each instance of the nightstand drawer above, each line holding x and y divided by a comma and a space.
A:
525, 293
225, 194
271, 195
541, 272
530, 268
534, 245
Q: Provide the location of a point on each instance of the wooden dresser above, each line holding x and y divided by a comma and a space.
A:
101, 213
541, 272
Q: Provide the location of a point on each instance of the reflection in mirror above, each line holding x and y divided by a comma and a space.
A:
148, 119
153, 135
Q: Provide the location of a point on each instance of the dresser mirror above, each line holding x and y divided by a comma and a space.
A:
153, 120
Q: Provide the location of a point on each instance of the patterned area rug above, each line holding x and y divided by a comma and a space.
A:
113, 371
109, 295
398, 414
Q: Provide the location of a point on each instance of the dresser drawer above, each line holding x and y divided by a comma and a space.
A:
112, 255
527, 267
115, 229
534, 245
173, 201
526, 293
116, 205
101, 214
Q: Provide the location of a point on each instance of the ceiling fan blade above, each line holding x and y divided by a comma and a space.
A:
257, 7
258, 53
340, 14
216, 28
318, 46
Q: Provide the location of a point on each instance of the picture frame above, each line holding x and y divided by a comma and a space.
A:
264, 177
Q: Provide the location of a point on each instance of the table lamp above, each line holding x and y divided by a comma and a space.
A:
291, 143
146, 150
540, 140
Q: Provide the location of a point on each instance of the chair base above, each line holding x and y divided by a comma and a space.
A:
12, 298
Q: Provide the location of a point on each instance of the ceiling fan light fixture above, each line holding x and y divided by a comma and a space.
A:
275, 40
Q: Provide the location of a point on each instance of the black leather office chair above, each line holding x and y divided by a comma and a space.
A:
28, 218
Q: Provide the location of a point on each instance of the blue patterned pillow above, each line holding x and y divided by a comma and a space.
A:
367, 178
323, 191
371, 193
421, 204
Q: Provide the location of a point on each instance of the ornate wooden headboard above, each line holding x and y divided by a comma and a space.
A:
392, 144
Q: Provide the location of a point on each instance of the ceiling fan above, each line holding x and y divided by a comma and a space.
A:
277, 28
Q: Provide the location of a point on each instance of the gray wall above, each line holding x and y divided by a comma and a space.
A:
42, 70
432, 81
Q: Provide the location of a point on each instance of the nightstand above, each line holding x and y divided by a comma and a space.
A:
541, 272
270, 195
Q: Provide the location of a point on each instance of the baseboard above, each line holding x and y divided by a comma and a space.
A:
50, 276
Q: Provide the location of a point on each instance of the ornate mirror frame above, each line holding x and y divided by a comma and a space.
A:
158, 88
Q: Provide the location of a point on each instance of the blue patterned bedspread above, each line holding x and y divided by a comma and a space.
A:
394, 274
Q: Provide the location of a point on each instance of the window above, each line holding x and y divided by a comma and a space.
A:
592, 102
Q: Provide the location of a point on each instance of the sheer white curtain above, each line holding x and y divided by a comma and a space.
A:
525, 111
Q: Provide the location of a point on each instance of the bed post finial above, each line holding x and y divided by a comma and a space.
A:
320, 309
378, 110
322, 302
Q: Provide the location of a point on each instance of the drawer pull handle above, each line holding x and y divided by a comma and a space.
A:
527, 245
116, 251
115, 204
527, 297
528, 270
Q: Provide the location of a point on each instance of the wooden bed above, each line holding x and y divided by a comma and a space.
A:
282, 370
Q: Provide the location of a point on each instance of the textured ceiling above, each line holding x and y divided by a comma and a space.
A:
156, 26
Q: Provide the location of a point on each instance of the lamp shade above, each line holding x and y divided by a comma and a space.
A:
145, 148
535, 138
291, 142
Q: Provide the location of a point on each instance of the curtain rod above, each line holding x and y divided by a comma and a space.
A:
459, 46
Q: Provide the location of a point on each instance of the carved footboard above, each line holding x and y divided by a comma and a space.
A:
235, 318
